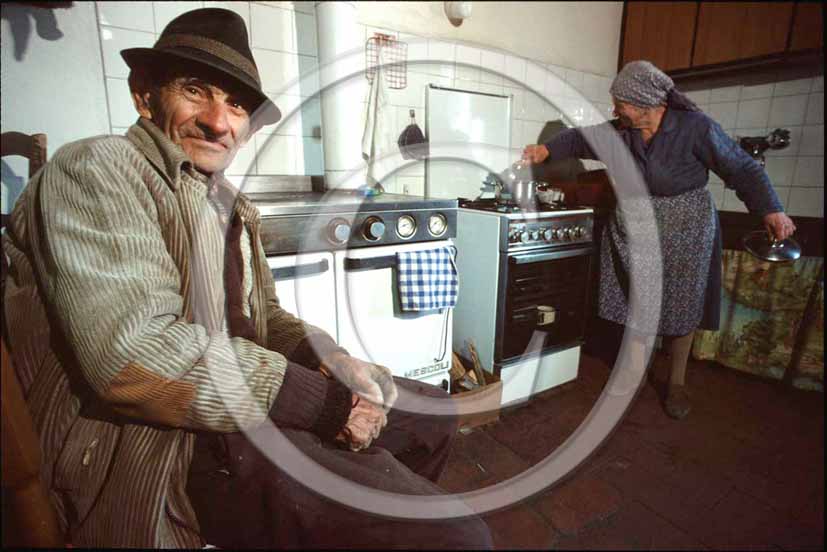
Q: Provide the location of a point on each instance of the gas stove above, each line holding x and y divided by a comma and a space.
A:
525, 277
508, 207
546, 226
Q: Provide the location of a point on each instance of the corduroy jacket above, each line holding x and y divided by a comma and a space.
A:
115, 307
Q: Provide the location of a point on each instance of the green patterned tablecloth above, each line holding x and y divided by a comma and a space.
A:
762, 306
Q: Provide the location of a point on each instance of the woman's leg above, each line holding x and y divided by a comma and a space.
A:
678, 404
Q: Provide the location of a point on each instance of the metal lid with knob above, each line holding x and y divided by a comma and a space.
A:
759, 244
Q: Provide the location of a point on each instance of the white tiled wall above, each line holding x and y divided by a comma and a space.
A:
493, 72
797, 172
283, 40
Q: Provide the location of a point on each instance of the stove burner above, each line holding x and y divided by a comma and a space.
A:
500, 206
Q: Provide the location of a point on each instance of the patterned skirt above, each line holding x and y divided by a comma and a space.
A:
685, 231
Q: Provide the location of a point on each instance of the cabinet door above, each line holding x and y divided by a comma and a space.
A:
729, 31
717, 37
660, 32
765, 28
808, 26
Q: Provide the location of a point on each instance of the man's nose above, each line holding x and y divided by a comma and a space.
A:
215, 117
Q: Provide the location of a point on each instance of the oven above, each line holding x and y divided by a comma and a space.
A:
415, 345
546, 292
525, 294
333, 257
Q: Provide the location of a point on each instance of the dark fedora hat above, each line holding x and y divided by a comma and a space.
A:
212, 37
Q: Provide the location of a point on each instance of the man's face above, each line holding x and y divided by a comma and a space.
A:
208, 118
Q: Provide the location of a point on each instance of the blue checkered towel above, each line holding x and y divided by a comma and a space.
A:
427, 279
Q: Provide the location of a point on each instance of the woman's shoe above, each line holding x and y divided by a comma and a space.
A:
677, 403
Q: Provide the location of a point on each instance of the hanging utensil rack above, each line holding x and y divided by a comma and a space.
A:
394, 56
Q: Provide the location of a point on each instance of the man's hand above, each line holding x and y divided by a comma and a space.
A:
535, 153
363, 425
779, 226
372, 382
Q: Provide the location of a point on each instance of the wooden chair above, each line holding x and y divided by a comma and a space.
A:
31, 518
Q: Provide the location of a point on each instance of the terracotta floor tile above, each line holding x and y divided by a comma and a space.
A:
579, 503
520, 527
738, 521
634, 527
745, 469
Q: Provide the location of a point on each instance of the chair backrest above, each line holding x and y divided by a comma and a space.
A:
33, 148
32, 520
30, 146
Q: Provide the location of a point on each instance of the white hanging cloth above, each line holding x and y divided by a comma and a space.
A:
375, 135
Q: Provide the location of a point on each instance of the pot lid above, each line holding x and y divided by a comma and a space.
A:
761, 246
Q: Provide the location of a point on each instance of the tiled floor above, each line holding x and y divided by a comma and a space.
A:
745, 470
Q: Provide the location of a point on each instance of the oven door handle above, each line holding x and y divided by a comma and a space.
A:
299, 271
524, 258
370, 263
376, 263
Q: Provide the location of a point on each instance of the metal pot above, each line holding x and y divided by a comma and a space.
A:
518, 186
523, 192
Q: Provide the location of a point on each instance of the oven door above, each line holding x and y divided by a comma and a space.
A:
414, 345
306, 287
546, 294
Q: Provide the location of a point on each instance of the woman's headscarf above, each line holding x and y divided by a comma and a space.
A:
642, 84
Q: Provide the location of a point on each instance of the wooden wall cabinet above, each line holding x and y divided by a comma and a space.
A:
660, 32
728, 31
808, 26
681, 36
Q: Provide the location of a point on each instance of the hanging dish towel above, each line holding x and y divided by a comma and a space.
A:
428, 279
374, 133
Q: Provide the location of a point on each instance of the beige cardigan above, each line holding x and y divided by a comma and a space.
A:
115, 307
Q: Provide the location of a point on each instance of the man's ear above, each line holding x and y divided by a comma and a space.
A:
141, 101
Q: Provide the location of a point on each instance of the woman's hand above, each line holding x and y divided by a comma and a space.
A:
779, 226
535, 153
364, 424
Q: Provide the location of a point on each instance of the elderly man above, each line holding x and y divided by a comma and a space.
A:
150, 342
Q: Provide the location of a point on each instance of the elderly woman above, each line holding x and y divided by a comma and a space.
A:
674, 145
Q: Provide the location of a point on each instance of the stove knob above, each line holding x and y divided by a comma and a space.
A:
578, 232
524, 237
566, 233
535, 235
374, 228
338, 231
557, 234
548, 234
